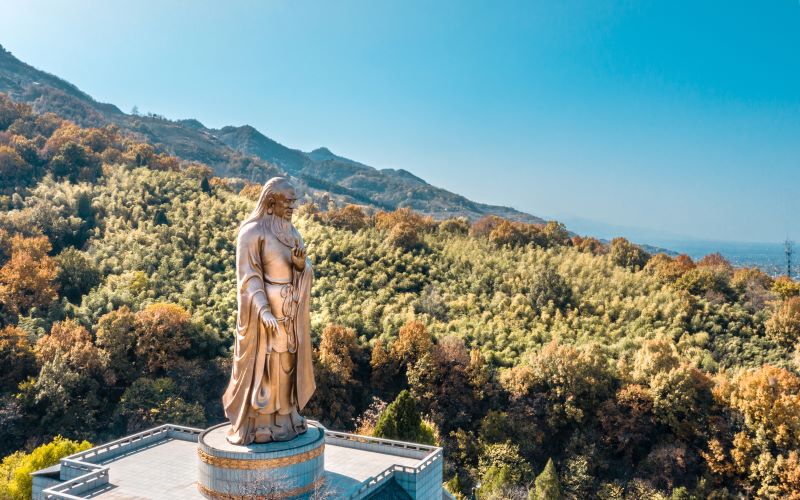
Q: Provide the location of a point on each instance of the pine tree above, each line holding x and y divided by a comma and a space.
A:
204, 185
546, 484
402, 421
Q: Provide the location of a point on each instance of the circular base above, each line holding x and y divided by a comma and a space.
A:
288, 469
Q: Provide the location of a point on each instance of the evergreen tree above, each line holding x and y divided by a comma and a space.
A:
204, 185
546, 484
402, 421
160, 218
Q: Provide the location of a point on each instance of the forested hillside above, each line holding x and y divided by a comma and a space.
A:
541, 362
242, 152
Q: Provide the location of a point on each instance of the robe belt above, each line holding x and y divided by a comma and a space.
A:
287, 292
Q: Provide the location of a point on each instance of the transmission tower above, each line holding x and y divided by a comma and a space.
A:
787, 248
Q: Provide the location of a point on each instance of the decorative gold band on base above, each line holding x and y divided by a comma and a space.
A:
216, 495
266, 463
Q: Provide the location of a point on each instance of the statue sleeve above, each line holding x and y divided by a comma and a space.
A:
250, 275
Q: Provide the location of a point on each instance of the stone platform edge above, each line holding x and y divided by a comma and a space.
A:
79, 473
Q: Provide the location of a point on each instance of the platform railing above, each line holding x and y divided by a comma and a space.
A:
92, 475
80, 484
376, 481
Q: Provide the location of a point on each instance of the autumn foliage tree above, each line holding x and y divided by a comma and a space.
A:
412, 343
784, 325
350, 217
337, 388
16, 358
27, 280
440, 381
116, 337
760, 449
163, 333
628, 255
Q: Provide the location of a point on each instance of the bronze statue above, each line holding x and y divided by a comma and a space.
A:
272, 376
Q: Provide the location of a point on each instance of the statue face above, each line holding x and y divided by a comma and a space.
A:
285, 204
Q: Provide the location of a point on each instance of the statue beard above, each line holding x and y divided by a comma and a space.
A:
284, 230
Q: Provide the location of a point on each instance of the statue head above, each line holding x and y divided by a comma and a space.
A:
277, 198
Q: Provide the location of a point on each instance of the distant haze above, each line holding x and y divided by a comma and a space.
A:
678, 118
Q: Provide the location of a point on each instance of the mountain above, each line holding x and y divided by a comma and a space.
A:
243, 151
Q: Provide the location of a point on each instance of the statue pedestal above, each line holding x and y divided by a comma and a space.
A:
289, 469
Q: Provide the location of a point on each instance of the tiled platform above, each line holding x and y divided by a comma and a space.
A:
163, 463
166, 469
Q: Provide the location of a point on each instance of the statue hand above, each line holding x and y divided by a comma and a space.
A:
269, 320
299, 257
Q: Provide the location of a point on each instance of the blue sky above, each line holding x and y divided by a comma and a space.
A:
656, 120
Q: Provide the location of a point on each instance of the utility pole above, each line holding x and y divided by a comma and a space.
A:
787, 248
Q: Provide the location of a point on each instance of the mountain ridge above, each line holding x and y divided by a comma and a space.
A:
243, 151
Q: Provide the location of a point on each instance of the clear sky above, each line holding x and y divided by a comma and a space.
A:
669, 118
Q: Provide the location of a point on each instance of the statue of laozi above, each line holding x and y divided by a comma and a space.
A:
272, 377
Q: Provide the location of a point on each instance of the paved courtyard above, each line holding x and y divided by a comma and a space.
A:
168, 469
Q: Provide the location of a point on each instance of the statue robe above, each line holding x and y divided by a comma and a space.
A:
252, 348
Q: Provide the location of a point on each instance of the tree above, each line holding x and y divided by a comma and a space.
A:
655, 356
712, 282
667, 269
163, 334
116, 336
760, 448
754, 288
27, 280
769, 400
786, 287
336, 348
484, 226
10, 111
784, 325
204, 185
402, 421
76, 274
14, 171
628, 421
413, 221
350, 217
497, 483
440, 382
589, 245
549, 287
546, 484
556, 233
148, 402
404, 236
626, 254
565, 383
455, 225
74, 163
337, 388
15, 470
73, 344
385, 369
681, 400
501, 466
413, 342
508, 233
16, 358
715, 260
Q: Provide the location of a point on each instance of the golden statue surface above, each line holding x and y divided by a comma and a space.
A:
272, 377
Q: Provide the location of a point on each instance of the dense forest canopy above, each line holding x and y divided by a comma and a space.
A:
546, 365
